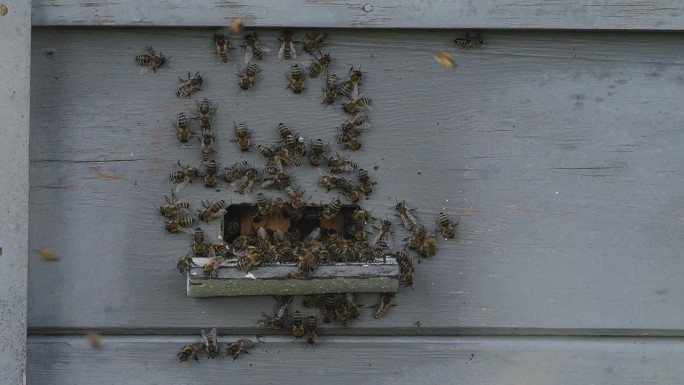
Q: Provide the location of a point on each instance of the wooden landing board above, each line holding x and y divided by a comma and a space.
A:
561, 152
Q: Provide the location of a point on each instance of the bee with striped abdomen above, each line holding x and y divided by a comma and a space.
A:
248, 76
342, 312
189, 85
428, 247
207, 145
354, 105
253, 48
215, 209
350, 86
182, 125
247, 181
174, 207
151, 60
384, 305
310, 326
235, 171
365, 183
446, 225
242, 136
407, 218
210, 343
287, 49
183, 176
416, 237
314, 42
190, 351
330, 90
239, 346
178, 224
331, 210
317, 150
297, 325
205, 113
384, 235
296, 78
222, 47
319, 65
211, 174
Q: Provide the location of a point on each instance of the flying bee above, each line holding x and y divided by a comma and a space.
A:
356, 125
405, 214
215, 209
253, 48
190, 351
251, 259
446, 225
222, 49
406, 267
342, 312
210, 343
328, 309
352, 306
235, 171
183, 176
331, 210
198, 236
350, 87
242, 136
296, 78
287, 49
429, 246
248, 76
319, 65
330, 90
205, 114
317, 150
178, 224
189, 85
354, 105
365, 183
174, 207
151, 60
298, 325
310, 325
184, 263
470, 41
247, 181
339, 164
182, 125
417, 235
239, 346
211, 171
384, 305
314, 42
295, 197
350, 192
384, 234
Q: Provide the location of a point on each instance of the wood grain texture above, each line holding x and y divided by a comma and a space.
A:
485, 14
560, 151
370, 360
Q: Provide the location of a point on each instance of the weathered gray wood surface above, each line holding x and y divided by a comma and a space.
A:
527, 14
369, 360
560, 151
15, 27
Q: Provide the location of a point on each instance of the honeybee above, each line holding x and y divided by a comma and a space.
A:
384, 234
406, 267
339, 164
331, 210
210, 343
242, 135
247, 181
211, 171
267, 152
429, 246
182, 125
317, 150
183, 176
352, 306
384, 305
263, 204
310, 325
276, 208
330, 181
350, 192
405, 214
215, 209
365, 183
328, 309
287, 48
417, 235
278, 320
178, 224
349, 142
198, 236
222, 49
189, 85
211, 267
350, 87
251, 259
280, 180
356, 125
342, 312
151, 60
313, 300
319, 65
239, 346
330, 90
314, 42
205, 114
354, 105
295, 197
190, 351
248, 76
470, 41
298, 325
296, 78
207, 145
174, 207
446, 225
235, 171
445, 59
307, 261
253, 48
184, 263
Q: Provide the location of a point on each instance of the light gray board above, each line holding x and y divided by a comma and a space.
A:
561, 152
370, 360
15, 27
528, 14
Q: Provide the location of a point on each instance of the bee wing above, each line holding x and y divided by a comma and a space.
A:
182, 185
387, 238
204, 337
213, 333
293, 50
281, 51
249, 54
211, 253
376, 237
219, 213
188, 230
355, 91
145, 70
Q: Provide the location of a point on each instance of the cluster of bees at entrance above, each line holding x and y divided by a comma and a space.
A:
365, 238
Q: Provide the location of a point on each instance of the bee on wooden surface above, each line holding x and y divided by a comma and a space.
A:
235, 171
190, 351
349, 142
205, 113
307, 261
354, 105
276, 208
211, 267
365, 183
330, 90
354, 126
278, 320
263, 204
151, 60
267, 152
287, 49
469, 41
247, 181
310, 326
178, 224
242, 136
174, 207
207, 145
407, 218
331, 210
184, 263
350, 86
248, 76
189, 85
384, 235
222, 47
183, 176
280, 180
342, 312
251, 259
429, 246
239, 346
284, 156
313, 300
384, 305
350, 192
298, 325
352, 306
339, 164
182, 125
210, 343
406, 267
295, 197
198, 236
314, 42
328, 309
319, 65
417, 236
317, 150
253, 48
215, 209
211, 171
330, 181
446, 225
296, 78
221, 249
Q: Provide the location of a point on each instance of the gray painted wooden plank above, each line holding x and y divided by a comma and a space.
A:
369, 360
486, 14
15, 27
560, 151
